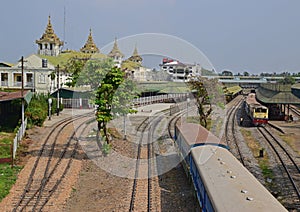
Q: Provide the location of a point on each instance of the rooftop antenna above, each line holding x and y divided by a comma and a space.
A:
64, 36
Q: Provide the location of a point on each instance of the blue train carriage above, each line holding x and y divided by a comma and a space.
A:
222, 183
256, 111
190, 135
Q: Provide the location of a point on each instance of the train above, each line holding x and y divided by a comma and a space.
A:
220, 181
257, 112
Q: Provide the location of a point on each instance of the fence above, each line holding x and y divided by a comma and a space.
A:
18, 138
76, 103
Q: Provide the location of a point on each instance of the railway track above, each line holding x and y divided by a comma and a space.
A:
295, 111
230, 137
146, 182
291, 181
52, 164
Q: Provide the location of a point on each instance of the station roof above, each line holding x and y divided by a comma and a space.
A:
233, 90
9, 96
69, 93
276, 94
243, 81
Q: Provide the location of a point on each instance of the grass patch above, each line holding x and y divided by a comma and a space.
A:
6, 140
8, 177
8, 174
114, 133
263, 162
291, 141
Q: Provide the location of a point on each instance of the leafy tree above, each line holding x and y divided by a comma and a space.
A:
113, 93
207, 92
289, 80
104, 98
246, 74
227, 73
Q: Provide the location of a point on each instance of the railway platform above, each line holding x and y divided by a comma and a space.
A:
65, 113
286, 125
143, 110
153, 108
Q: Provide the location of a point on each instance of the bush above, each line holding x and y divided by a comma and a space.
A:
37, 110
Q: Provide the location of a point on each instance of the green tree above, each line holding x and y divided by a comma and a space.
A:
289, 80
202, 98
104, 98
227, 73
207, 92
246, 74
112, 92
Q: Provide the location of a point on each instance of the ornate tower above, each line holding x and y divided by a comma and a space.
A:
136, 57
90, 47
116, 54
49, 43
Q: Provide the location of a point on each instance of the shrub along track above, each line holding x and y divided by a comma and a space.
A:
52, 164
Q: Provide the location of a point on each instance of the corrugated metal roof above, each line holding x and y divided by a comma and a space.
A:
8, 96
276, 97
296, 86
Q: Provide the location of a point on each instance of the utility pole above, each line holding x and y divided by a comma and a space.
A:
22, 93
57, 109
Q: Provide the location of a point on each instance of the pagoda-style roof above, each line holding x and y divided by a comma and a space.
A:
115, 52
135, 56
90, 47
49, 36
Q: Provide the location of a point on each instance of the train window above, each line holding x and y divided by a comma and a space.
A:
260, 110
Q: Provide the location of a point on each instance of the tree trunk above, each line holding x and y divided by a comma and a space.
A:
105, 133
98, 135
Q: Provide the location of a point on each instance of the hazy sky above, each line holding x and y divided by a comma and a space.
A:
254, 36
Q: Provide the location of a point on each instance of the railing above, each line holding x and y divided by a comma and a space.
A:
19, 137
4, 83
17, 84
29, 84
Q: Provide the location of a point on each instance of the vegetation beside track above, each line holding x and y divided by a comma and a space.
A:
291, 141
263, 162
8, 174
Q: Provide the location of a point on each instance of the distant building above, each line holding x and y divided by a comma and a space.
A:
40, 69
134, 68
178, 71
116, 54
37, 75
49, 44
90, 47
136, 57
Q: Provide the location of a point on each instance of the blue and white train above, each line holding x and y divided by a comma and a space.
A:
220, 181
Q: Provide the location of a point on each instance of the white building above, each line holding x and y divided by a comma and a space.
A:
142, 74
180, 72
36, 75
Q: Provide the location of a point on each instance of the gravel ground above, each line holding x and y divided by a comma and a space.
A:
87, 187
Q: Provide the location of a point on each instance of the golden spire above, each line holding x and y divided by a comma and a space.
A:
115, 52
135, 51
135, 56
49, 36
90, 47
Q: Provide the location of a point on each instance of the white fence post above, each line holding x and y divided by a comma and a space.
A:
18, 138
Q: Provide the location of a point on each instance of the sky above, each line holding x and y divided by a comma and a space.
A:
254, 36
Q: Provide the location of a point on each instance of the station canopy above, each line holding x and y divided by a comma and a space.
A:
233, 90
276, 94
